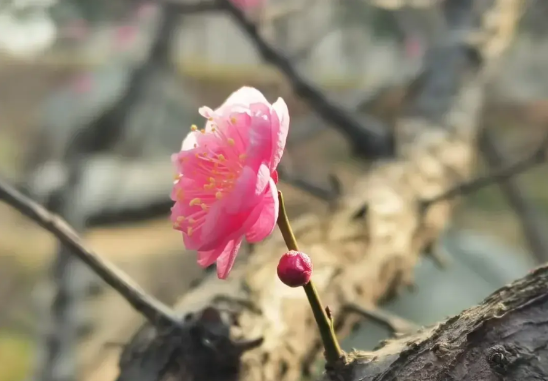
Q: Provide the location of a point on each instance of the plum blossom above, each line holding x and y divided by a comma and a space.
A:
225, 187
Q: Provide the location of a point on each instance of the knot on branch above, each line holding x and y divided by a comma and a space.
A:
503, 358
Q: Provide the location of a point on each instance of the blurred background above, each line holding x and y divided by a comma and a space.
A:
96, 95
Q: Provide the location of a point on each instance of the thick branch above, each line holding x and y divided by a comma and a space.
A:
504, 338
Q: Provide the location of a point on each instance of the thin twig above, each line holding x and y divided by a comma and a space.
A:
322, 193
532, 224
369, 142
154, 311
536, 158
394, 323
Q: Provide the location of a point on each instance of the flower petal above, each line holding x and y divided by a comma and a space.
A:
250, 185
207, 258
226, 260
279, 131
244, 96
266, 222
190, 141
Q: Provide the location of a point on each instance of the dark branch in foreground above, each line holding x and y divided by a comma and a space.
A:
538, 157
155, 312
366, 141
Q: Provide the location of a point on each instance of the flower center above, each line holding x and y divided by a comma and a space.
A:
215, 168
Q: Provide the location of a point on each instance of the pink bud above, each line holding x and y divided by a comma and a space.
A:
295, 268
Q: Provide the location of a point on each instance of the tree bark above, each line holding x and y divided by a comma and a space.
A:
364, 250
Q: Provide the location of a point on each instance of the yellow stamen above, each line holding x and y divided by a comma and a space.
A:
194, 127
204, 206
211, 180
221, 157
189, 231
213, 129
195, 201
218, 195
202, 131
231, 141
233, 120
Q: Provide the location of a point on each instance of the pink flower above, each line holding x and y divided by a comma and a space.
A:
226, 177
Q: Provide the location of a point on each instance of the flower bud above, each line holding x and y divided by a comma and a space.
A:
295, 268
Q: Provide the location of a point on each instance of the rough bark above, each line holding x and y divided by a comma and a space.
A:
503, 338
364, 248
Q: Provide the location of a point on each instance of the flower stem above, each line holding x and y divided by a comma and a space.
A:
331, 345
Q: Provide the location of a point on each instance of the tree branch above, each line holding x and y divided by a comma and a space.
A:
532, 224
155, 312
394, 323
537, 157
505, 337
366, 141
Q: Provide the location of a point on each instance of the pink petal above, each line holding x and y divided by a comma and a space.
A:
244, 96
207, 258
226, 260
266, 223
190, 141
260, 136
275, 176
250, 185
279, 132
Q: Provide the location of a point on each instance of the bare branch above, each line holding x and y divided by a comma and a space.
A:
532, 224
393, 322
368, 142
154, 311
316, 190
536, 158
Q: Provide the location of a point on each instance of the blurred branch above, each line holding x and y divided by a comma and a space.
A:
155, 312
533, 225
275, 11
194, 7
316, 190
365, 141
308, 47
538, 156
394, 323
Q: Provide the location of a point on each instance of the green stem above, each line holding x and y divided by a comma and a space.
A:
332, 348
